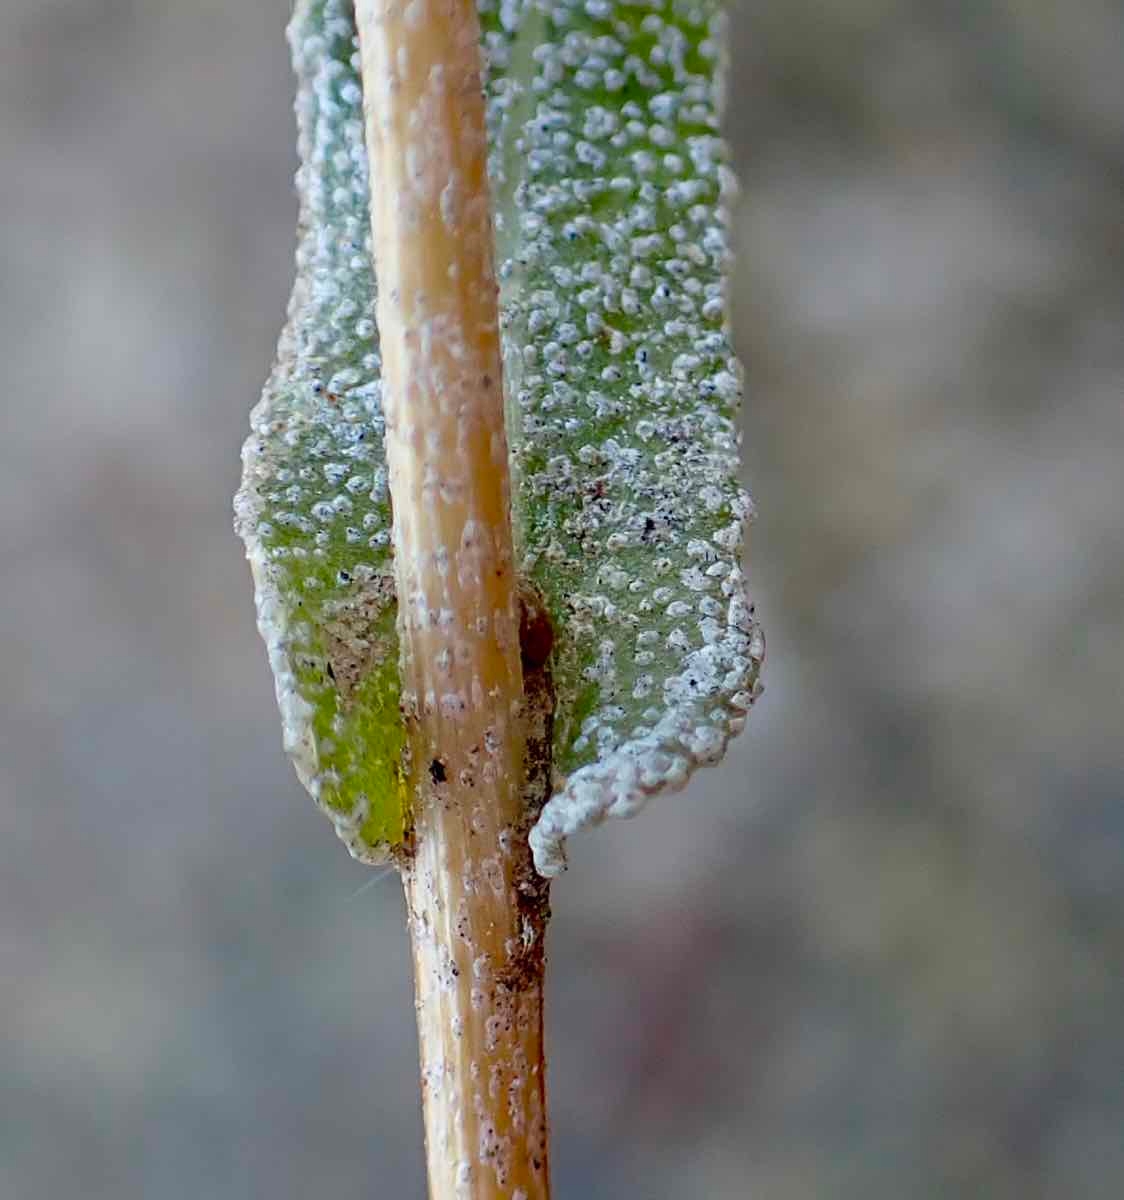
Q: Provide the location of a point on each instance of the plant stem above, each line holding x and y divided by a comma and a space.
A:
477, 911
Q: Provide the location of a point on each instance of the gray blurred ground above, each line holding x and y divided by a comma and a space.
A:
879, 952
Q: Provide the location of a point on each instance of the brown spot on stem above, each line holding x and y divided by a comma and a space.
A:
536, 633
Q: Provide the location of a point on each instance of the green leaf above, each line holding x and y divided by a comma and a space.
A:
608, 183
314, 509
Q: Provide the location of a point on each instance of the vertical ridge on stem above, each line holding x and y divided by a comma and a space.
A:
477, 910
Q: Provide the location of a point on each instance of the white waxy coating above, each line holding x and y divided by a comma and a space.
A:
314, 508
623, 389
622, 393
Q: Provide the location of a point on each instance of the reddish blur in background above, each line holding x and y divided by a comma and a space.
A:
879, 952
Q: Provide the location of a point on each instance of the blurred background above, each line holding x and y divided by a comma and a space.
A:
880, 952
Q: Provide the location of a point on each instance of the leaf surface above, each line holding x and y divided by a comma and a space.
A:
608, 182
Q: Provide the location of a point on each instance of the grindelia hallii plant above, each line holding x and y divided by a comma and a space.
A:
491, 506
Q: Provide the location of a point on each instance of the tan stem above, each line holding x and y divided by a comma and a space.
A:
477, 911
